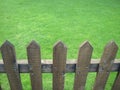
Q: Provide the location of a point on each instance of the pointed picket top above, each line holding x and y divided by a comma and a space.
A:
33, 45
7, 44
110, 50
86, 44
109, 54
59, 44
111, 45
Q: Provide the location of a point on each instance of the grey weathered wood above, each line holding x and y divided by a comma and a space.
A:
70, 66
116, 84
82, 66
105, 66
11, 67
59, 64
34, 60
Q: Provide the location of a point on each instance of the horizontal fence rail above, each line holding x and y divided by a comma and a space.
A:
46, 66
59, 65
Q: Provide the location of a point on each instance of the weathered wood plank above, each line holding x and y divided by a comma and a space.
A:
70, 66
11, 67
82, 66
105, 66
116, 84
34, 61
59, 64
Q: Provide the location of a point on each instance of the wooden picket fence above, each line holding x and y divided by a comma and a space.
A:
60, 65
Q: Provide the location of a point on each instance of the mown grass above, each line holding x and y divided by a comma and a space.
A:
47, 21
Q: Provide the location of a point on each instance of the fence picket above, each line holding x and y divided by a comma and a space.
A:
82, 66
105, 65
34, 61
59, 65
11, 67
116, 85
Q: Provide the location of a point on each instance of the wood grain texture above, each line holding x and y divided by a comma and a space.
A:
105, 66
59, 64
46, 67
34, 61
82, 66
11, 67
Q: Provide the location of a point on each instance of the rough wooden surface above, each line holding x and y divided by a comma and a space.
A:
82, 66
46, 67
34, 61
10, 65
105, 66
59, 64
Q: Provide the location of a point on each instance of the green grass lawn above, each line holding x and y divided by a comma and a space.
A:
71, 21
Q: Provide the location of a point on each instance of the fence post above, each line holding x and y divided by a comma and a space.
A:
59, 65
11, 67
